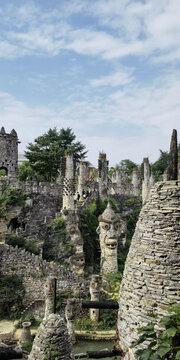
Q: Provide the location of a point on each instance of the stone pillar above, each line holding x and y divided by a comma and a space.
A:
109, 232
151, 278
135, 182
70, 312
103, 175
172, 172
147, 181
77, 262
95, 294
52, 337
50, 296
69, 182
26, 333
82, 179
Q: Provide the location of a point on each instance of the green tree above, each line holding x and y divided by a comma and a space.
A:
160, 166
47, 151
25, 171
125, 166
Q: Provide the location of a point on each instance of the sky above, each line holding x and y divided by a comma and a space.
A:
108, 69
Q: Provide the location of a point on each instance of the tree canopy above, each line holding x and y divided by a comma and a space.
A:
46, 152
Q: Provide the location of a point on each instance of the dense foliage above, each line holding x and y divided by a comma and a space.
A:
11, 197
11, 296
22, 243
47, 151
164, 342
160, 166
126, 167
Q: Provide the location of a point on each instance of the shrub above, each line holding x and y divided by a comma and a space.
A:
11, 296
21, 243
11, 197
164, 343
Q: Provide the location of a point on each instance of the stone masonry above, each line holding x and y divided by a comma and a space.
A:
9, 152
151, 279
52, 340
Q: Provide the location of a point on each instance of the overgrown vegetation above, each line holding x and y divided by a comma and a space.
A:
164, 341
11, 197
11, 296
22, 243
108, 319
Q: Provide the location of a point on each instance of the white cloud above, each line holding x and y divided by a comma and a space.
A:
137, 29
119, 78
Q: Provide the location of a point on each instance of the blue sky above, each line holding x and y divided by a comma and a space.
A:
109, 69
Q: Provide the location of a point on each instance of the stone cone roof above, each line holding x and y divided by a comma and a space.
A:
108, 215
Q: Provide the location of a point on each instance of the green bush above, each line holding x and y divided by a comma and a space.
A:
11, 296
108, 320
164, 343
84, 323
22, 243
11, 197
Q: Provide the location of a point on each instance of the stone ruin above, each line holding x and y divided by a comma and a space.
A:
9, 153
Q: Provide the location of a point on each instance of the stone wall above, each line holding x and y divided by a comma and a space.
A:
34, 271
151, 278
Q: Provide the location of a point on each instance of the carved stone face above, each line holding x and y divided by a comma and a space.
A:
77, 263
109, 233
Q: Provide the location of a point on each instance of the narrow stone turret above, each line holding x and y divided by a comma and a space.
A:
135, 182
82, 177
9, 153
148, 180
50, 296
172, 172
68, 182
103, 175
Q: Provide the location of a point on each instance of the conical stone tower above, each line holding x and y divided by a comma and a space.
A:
151, 279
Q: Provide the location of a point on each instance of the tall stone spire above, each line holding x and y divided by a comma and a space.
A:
172, 173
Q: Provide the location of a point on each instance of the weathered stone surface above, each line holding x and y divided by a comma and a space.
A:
172, 172
52, 337
151, 279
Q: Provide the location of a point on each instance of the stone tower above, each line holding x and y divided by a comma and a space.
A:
9, 152
68, 174
109, 232
147, 180
103, 175
151, 279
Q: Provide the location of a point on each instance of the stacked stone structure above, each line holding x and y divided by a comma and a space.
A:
34, 272
82, 179
151, 279
52, 340
103, 175
9, 153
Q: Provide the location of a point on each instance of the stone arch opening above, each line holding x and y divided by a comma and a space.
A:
13, 225
4, 169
